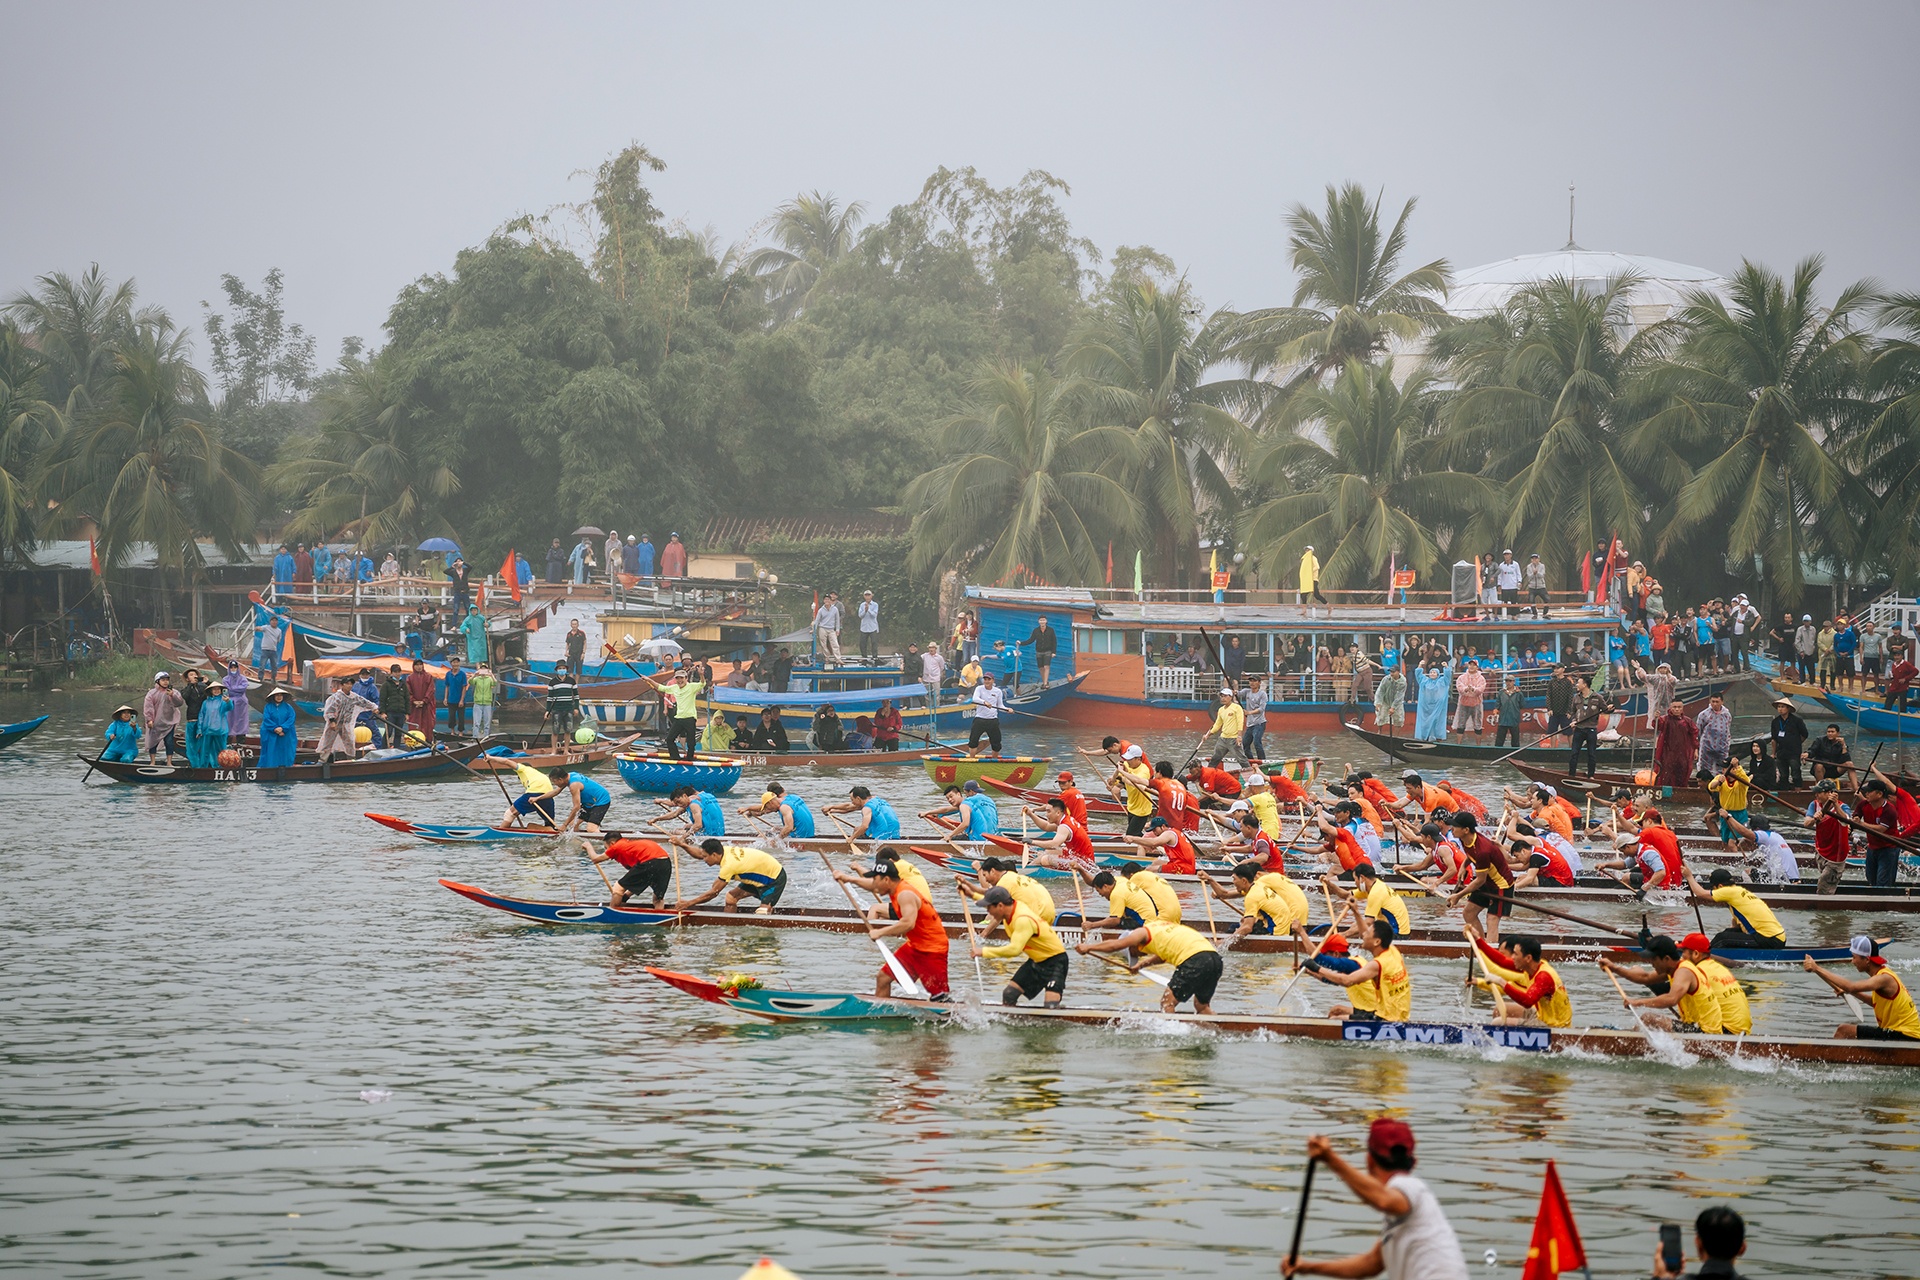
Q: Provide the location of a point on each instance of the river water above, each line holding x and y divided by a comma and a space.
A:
246, 1028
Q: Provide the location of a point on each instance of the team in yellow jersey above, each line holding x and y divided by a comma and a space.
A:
1894, 1017
1270, 903
1686, 979
1380, 990
1196, 961
1134, 897
1044, 968
1024, 888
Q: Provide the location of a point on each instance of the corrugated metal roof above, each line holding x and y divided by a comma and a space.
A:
740, 531
74, 554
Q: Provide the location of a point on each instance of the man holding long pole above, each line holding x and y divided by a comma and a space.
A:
1417, 1242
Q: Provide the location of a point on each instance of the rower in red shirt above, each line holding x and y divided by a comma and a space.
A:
1832, 837
1544, 864
1076, 802
1491, 885
1168, 848
649, 867
1252, 844
1218, 788
1069, 847
1173, 801
1889, 814
1658, 837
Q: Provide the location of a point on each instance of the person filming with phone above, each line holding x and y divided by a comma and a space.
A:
1719, 1236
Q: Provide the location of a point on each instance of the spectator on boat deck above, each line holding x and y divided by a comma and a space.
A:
213, 726
302, 566
283, 568
1430, 725
460, 576
581, 558
828, 734
1788, 733
1309, 579
279, 739
1253, 703
861, 739
772, 735
1468, 714
423, 703
239, 714
394, 706
1507, 705
1233, 659
642, 558
322, 562
457, 681
887, 724
1828, 755
718, 736
483, 688
1534, 579
867, 617
1390, 701
123, 737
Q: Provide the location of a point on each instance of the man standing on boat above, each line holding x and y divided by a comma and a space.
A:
1534, 578
1044, 969
988, 703
826, 629
474, 628
1309, 581
1435, 680
1472, 687
1229, 723
1492, 879
338, 715
161, 711
1506, 578
1560, 700
1676, 748
1390, 701
1418, 1242
1894, 1016
868, 616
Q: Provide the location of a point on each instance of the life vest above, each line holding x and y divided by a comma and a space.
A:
1699, 1006
1377, 791
1735, 1017
1896, 1012
1393, 989
1669, 850
1556, 1010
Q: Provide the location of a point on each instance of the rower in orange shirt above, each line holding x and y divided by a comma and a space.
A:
1217, 788
1169, 847
1076, 802
1174, 802
923, 953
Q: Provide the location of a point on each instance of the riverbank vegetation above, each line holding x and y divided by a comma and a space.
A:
1041, 409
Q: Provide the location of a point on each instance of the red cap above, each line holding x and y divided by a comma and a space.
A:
1064, 776
1336, 945
1696, 942
1384, 1136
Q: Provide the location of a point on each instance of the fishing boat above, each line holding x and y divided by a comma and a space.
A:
1019, 771
1617, 753
412, 764
1870, 717
1153, 659
776, 1005
1301, 770
12, 733
796, 709
657, 773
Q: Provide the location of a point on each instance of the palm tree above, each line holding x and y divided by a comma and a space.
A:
366, 472
1887, 452
1544, 409
78, 325
1354, 481
27, 425
812, 231
1349, 304
1023, 493
1145, 362
1756, 385
143, 469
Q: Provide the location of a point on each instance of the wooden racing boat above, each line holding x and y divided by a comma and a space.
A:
945, 770
775, 1005
1617, 785
12, 733
413, 764
564, 912
1623, 752
1299, 769
500, 758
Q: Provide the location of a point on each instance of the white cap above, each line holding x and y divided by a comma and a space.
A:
1131, 753
1238, 806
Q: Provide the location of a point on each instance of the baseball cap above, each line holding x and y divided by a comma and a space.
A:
1389, 1141
767, 797
1336, 945
1131, 753
996, 897
1064, 776
1238, 806
1156, 821
972, 787
1721, 876
1696, 942
1409, 776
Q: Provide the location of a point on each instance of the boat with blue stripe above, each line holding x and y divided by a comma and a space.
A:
576, 913
656, 773
12, 733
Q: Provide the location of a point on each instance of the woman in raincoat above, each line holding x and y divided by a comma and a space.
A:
1390, 700
213, 726
1435, 682
239, 714
278, 738
123, 737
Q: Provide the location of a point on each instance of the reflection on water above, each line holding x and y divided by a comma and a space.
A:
201, 985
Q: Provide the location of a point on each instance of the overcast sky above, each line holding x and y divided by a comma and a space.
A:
360, 146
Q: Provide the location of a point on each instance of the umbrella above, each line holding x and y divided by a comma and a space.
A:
439, 544
660, 646
589, 531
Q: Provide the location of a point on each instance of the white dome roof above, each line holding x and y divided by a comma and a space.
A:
1662, 290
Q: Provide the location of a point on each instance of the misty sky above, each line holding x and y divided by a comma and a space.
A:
359, 146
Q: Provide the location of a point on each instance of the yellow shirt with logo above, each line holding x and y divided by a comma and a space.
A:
686, 699
1030, 891
1699, 1006
1028, 935
1749, 912
755, 868
1165, 901
1735, 1016
1140, 797
1896, 1012
1265, 811
1379, 899
1274, 897
1393, 988
1174, 943
1732, 791
1230, 721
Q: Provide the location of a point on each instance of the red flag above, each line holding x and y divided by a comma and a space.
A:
1556, 1241
93, 554
1109, 564
1606, 571
510, 570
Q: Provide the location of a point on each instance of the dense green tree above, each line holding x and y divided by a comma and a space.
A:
1146, 363
1886, 453
78, 325
264, 365
1022, 495
1757, 383
1352, 473
1545, 408
1351, 302
811, 232
28, 424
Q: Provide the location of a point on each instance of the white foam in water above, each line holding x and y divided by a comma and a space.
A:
376, 1095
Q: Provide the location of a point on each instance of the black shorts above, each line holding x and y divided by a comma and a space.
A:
1363, 1015
769, 895
1882, 1033
1033, 977
1137, 823
1196, 977
594, 812
1495, 902
652, 876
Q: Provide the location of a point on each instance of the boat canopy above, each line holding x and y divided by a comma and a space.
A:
837, 698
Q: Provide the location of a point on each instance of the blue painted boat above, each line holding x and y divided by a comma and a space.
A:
575, 913
802, 1006
653, 773
12, 733
1871, 717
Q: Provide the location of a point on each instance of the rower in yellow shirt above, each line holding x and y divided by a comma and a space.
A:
1271, 904
1702, 994
752, 873
1132, 786
1045, 968
1260, 801
1383, 978
1894, 1017
1518, 972
1377, 901
1754, 928
1196, 962
1024, 888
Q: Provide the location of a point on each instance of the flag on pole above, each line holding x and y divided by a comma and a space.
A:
1393, 564
1556, 1240
1138, 589
1109, 563
510, 570
93, 556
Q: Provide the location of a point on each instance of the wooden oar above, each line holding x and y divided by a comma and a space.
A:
1122, 964
900, 974
1333, 927
498, 781
966, 909
1627, 1004
1300, 1217
1912, 846
1510, 900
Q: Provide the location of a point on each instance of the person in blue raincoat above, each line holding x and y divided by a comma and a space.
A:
369, 688
322, 562
122, 735
474, 628
213, 726
1434, 683
579, 558
278, 738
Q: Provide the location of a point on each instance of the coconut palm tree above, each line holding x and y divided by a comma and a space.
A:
1351, 301
1354, 480
28, 424
1144, 361
1023, 494
143, 469
1544, 409
78, 326
811, 233
1757, 385
367, 472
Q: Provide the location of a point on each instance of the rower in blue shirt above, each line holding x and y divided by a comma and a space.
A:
590, 799
977, 814
702, 810
876, 820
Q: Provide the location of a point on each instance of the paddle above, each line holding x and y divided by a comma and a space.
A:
498, 781
913, 989
1333, 927
979, 978
1122, 964
1300, 1218
1855, 824
1511, 901
1627, 1004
